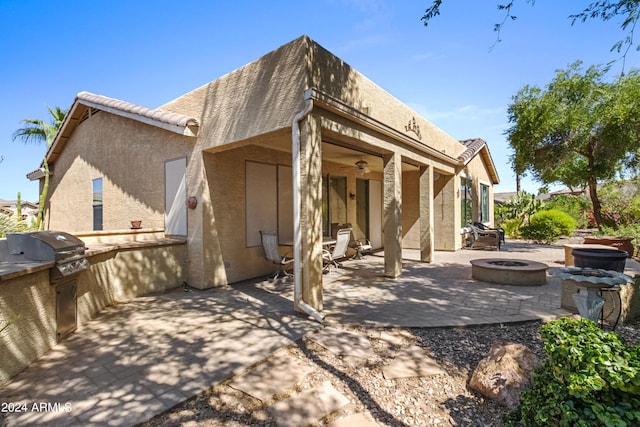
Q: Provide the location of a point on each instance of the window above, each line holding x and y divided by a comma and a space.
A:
334, 202
97, 203
484, 203
466, 200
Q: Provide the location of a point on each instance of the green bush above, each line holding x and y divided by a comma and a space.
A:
546, 226
590, 379
575, 206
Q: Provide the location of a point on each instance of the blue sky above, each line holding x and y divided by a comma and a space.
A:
149, 52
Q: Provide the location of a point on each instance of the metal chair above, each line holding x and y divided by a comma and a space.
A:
272, 253
337, 251
360, 246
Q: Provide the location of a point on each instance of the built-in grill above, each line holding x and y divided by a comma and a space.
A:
67, 252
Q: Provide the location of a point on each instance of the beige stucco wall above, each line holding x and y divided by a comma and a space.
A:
115, 275
228, 259
129, 156
29, 302
331, 75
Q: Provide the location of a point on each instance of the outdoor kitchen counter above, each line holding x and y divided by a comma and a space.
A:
101, 248
11, 270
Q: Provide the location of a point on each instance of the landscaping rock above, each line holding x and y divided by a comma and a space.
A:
505, 372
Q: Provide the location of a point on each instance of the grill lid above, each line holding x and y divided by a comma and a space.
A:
45, 245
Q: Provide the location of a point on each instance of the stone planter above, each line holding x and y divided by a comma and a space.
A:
605, 259
620, 243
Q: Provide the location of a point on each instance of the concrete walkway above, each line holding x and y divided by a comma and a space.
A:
138, 359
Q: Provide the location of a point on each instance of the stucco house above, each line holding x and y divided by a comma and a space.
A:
270, 146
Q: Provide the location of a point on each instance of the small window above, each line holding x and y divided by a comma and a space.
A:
97, 203
484, 203
466, 201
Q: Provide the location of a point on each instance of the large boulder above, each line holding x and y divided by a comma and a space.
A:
505, 372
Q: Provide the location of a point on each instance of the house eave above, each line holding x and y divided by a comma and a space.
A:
336, 106
36, 175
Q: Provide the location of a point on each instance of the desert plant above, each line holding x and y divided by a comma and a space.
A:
547, 225
512, 227
590, 379
522, 206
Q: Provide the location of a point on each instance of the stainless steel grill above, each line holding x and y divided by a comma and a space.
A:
67, 252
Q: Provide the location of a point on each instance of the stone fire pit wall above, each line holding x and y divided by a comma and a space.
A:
516, 272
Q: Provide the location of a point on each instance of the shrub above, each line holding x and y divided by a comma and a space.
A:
512, 227
546, 226
590, 379
574, 206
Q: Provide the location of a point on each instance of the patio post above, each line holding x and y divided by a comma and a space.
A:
426, 213
311, 211
392, 215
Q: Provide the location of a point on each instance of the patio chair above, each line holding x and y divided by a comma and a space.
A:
272, 253
483, 227
337, 251
360, 246
484, 239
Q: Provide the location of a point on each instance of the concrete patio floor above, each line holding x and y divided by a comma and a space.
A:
140, 358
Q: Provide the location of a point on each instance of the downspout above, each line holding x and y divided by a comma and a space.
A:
298, 303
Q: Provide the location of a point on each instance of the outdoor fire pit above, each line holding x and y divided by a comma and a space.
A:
589, 282
509, 271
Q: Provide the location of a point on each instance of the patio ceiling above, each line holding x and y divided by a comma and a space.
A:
348, 157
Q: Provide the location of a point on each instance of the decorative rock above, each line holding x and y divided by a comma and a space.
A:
505, 372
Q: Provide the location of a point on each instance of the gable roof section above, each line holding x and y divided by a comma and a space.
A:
86, 104
173, 122
475, 146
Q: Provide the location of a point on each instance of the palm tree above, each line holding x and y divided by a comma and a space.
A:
38, 131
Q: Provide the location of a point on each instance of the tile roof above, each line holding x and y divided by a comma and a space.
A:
473, 145
116, 105
86, 103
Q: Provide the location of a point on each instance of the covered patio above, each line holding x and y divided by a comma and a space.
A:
440, 293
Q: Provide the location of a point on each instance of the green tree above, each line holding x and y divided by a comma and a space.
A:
578, 131
39, 131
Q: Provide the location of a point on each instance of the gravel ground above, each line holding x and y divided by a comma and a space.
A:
441, 400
